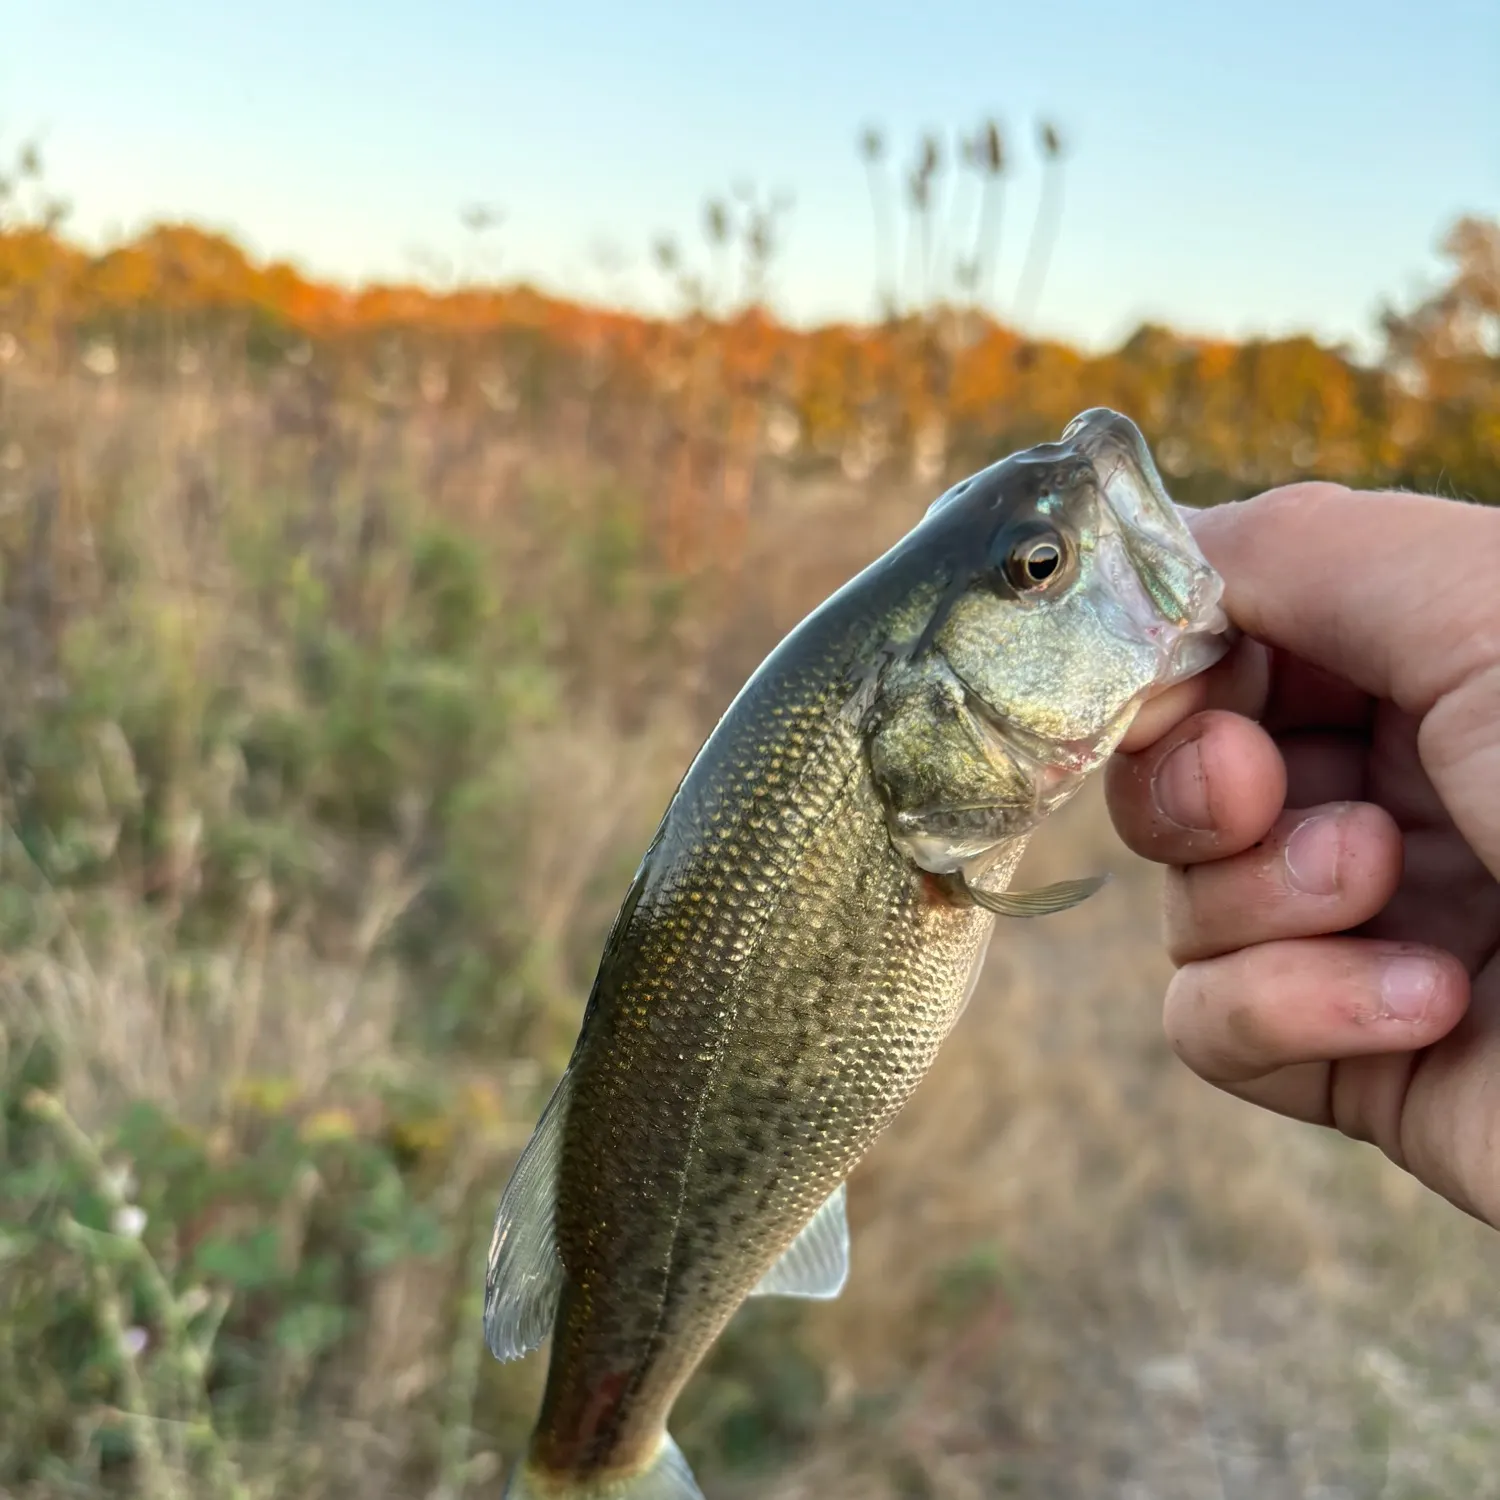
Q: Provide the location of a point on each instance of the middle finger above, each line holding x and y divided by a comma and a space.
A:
1322, 870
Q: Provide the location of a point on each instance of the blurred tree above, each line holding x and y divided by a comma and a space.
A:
1451, 340
694, 402
1444, 357
25, 202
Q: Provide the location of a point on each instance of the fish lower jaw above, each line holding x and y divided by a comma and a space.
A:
1070, 761
964, 851
1049, 763
1058, 766
1196, 651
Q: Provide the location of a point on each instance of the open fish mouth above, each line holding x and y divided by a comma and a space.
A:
1161, 588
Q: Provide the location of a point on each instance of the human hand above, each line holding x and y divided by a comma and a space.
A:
1328, 800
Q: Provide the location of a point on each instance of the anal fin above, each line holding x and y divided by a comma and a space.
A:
1038, 903
816, 1263
524, 1274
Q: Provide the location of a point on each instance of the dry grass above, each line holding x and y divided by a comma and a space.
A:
1077, 1271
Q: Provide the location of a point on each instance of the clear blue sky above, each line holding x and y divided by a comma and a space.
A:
1234, 167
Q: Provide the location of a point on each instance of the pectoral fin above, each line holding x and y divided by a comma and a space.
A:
1039, 903
525, 1275
816, 1263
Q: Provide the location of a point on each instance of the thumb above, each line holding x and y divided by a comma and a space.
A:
1398, 594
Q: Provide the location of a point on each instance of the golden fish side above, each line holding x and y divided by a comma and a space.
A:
803, 932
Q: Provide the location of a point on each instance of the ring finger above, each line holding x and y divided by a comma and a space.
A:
1320, 870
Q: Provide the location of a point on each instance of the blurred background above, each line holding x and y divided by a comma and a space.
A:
414, 425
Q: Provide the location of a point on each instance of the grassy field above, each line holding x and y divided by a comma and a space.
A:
330, 736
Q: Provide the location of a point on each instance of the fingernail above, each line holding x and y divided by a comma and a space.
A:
1406, 987
1180, 789
1313, 854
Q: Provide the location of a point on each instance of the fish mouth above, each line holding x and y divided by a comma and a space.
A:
1059, 767
1162, 588
1055, 766
1189, 631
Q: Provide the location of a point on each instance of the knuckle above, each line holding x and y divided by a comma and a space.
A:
1214, 1024
1182, 927
1183, 1014
1297, 499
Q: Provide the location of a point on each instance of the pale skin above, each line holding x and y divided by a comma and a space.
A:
1327, 800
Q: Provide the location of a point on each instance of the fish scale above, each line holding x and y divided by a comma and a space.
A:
806, 927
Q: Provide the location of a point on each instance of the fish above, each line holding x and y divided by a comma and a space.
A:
809, 921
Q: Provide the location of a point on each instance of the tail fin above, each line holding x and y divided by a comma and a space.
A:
667, 1478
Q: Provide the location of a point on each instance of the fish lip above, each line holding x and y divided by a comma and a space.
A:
1178, 606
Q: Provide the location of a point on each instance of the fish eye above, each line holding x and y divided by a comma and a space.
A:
1036, 561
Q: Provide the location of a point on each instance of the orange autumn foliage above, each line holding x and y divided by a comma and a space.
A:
710, 401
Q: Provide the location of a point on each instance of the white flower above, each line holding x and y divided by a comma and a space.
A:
135, 1341
122, 1181
129, 1220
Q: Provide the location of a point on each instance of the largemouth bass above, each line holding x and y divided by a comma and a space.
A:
809, 922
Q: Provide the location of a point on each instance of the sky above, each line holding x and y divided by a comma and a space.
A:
1232, 169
